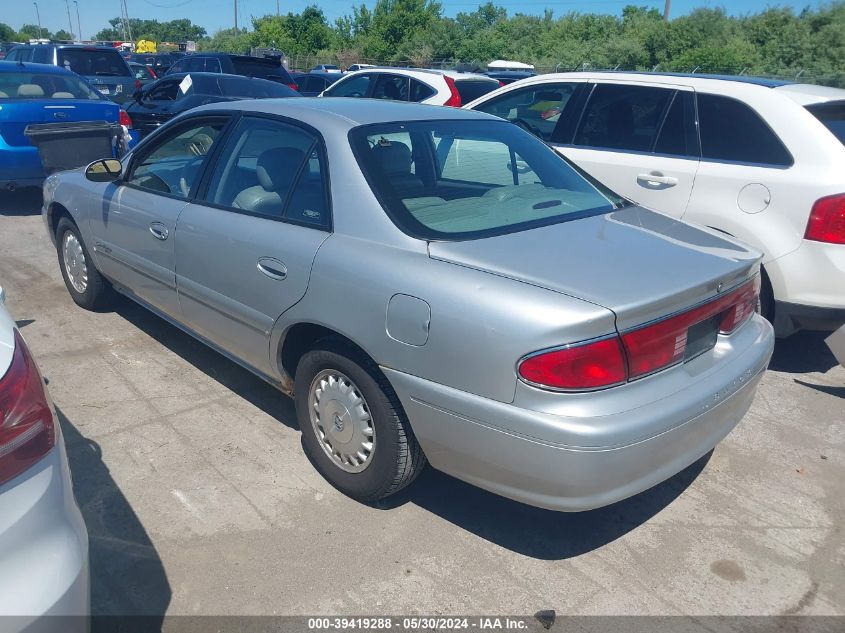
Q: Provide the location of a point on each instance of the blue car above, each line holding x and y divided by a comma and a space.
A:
41, 93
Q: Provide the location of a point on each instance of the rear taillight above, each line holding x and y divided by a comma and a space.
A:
664, 343
579, 367
454, 99
636, 353
27, 431
124, 118
827, 220
293, 87
501, 84
138, 84
153, 74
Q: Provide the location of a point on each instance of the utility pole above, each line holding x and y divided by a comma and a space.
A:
236, 16
277, 8
666, 8
69, 21
38, 15
78, 22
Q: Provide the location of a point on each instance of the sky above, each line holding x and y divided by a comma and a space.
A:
217, 14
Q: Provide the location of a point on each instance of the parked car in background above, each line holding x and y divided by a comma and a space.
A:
159, 62
503, 316
172, 95
326, 68
5, 48
142, 73
758, 159
40, 93
260, 67
434, 87
101, 66
355, 67
505, 77
313, 83
43, 540
298, 76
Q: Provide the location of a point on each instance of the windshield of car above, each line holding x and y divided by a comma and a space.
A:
833, 116
88, 62
45, 86
448, 179
264, 69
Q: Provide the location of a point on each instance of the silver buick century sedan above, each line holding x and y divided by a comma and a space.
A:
430, 285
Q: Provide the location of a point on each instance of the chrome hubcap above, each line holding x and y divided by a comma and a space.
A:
341, 420
74, 259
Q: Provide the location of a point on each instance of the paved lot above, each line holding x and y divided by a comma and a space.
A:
199, 500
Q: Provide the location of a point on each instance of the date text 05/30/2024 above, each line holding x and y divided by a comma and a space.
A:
419, 623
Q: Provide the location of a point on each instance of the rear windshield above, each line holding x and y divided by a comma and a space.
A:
102, 63
448, 180
45, 86
833, 116
471, 89
263, 69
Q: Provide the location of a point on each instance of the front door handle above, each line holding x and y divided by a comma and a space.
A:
159, 230
656, 178
273, 268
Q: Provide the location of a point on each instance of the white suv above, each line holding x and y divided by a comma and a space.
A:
761, 160
434, 87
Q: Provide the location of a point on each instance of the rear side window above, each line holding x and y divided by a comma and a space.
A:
420, 91
833, 117
623, 117
42, 55
97, 62
471, 89
393, 87
732, 131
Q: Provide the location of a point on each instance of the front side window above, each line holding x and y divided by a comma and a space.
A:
393, 87
464, 179
623, 117
272, 169
173, 164
535, 108
731, 131
42, 55
352, 87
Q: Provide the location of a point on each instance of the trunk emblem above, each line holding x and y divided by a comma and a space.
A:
719, 287
60, 115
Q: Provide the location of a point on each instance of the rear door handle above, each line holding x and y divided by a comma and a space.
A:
273, 268
159, 231
657, 178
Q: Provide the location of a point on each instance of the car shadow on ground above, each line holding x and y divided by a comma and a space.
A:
24, 201
127, 575
535, 532
228, 373
803, 353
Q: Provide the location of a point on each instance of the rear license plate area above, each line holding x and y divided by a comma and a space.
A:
702, 337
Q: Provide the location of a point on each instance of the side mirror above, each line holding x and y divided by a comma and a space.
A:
104, 170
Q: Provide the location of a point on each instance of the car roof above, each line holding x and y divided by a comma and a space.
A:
808, 94
452, 74
669, 78
323, 112
30, 67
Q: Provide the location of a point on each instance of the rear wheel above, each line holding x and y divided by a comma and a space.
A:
87, 287
353, 426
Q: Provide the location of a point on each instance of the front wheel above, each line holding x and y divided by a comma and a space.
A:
353, 426
87, 287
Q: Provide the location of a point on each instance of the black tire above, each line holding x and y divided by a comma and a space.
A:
766, 303
397, 458
98, 293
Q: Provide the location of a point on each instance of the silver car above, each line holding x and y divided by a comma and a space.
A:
429, 284
43, 540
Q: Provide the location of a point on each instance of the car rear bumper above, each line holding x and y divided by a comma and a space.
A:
20, 166
513, 451
44, 582
807, 285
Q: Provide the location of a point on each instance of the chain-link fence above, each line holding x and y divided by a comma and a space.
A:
344, 61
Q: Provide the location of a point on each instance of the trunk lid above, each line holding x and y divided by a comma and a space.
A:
639, 264
15, 116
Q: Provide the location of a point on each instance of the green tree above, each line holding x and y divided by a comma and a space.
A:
7, 33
